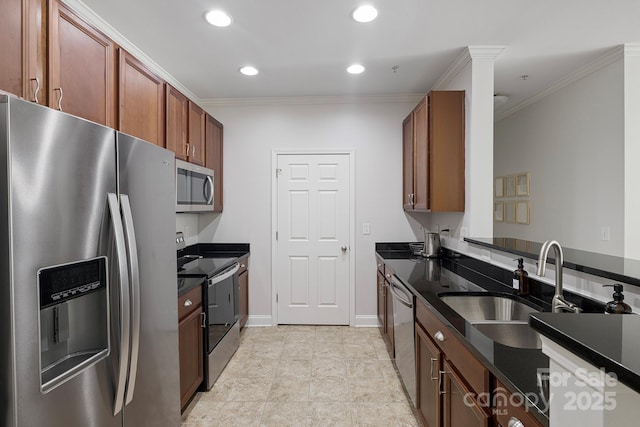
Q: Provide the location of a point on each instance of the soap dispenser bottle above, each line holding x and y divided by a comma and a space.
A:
617, 306
520, 278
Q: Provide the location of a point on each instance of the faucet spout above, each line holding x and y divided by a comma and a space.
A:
559, 304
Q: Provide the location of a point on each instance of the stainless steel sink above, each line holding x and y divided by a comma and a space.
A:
500, 318
519, 335
479, 308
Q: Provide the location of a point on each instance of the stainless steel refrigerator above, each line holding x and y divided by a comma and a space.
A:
88, 305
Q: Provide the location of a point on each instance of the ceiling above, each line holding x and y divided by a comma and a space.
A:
302, 47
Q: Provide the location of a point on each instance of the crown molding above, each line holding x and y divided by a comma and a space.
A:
631, 49
454, 69
468, 54
608, 58
485, 52
312, 100
94, 19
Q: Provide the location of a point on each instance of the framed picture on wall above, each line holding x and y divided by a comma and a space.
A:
510, 186
498, 188
522, 184
498, 211
510, 212
522, 212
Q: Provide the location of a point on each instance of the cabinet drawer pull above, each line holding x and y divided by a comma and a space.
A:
433, 360
59, 89
188, 303
514, 422
388, 276
36, 92
439, 336
242, 266
379, 265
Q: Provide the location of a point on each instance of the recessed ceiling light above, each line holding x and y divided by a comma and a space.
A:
365, 13
355, 69
249, 70
218, 18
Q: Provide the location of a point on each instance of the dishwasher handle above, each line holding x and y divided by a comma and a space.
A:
394, 290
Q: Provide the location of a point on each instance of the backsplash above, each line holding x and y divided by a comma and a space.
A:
188, 224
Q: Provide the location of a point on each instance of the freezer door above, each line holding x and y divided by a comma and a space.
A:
147, 191
59, 170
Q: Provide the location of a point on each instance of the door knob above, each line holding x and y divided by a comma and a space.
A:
343, 248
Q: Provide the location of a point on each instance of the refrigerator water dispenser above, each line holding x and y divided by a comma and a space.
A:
73, 318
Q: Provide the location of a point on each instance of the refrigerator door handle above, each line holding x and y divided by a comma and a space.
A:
123, 279
134, 282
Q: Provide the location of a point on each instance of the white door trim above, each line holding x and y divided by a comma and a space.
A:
352, 221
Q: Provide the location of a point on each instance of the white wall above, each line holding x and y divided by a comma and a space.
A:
252, 132
571, 142
631, 150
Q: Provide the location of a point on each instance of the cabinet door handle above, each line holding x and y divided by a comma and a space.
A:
188, 303
433, 360
36, 92
185, 149
193, 151
59, 89
441, 389
514, 422
439, 336
204, 320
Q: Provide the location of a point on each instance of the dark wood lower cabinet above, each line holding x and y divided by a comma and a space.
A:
428, 367
460, 408
190, 344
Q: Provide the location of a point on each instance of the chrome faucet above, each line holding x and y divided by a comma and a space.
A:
558, 304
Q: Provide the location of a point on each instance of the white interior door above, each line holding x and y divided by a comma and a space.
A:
312, 248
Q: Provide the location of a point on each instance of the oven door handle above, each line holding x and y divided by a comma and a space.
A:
224, 276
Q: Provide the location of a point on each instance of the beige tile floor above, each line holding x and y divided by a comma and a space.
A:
305, 376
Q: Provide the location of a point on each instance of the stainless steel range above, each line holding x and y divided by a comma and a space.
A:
222, 334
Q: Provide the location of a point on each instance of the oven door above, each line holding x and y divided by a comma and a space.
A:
222, 305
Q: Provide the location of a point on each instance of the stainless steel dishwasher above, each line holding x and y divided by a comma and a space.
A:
404, 335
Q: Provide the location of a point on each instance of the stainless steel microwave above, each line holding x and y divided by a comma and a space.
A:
194, 188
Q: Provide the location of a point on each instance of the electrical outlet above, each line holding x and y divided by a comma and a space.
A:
605, 234
366, 228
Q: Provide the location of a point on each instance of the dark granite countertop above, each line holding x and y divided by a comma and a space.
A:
610, 267
210, 250
606, 341
185, 284
516, 368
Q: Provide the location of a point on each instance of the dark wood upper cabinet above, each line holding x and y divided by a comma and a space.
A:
177, 123
433, 154
23, 48
81, 68
407, 162
196, 134
213, 158
141, 100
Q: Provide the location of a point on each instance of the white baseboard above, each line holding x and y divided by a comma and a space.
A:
258, 320
366, 321
265, 320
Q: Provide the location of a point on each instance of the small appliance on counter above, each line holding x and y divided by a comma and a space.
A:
432, 247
